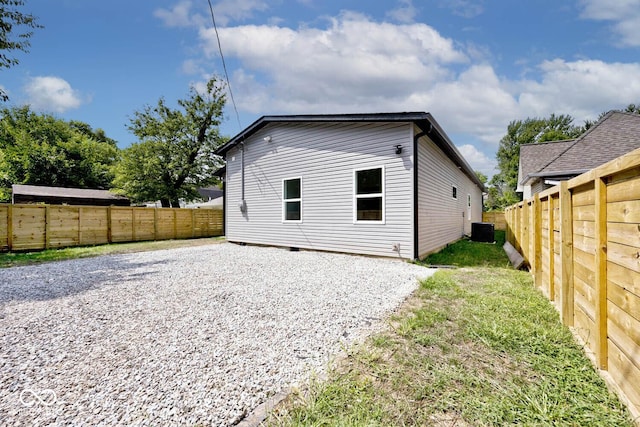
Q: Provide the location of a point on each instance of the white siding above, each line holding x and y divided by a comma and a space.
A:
442, 219
324, 155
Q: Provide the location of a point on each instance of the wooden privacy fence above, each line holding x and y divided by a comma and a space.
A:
582, 241
497, 218
34, 227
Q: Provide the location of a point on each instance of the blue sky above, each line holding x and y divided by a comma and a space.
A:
474, 64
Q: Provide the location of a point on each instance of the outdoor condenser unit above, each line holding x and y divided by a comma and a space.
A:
482, 232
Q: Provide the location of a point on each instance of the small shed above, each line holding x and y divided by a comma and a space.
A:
65, 196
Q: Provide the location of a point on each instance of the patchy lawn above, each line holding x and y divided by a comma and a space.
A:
473, 346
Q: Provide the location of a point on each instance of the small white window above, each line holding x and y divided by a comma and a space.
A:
292, 200
454, 192
368, 197
469, 200
469, 207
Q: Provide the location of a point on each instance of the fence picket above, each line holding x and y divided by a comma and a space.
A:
596, 274
36, 227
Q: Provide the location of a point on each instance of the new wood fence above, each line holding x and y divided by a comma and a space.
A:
497, 218
582, 241
34, 227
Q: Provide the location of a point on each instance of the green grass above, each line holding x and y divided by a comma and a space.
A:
473, 346
465, 253
12, 259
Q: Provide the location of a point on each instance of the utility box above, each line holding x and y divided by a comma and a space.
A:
482, 232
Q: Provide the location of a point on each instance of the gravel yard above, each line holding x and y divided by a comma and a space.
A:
198, 335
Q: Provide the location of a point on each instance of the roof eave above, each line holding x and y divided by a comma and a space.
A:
318, 118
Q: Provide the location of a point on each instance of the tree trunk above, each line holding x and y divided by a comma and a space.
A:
175, 203
165, 203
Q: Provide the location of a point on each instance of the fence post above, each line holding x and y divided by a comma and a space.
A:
79, 225
155, 223
133, 225
109, 237
601, 271
552, 249
525, 231
537, 240
10, 227
46, 226
175, 225
566, 254
193, 223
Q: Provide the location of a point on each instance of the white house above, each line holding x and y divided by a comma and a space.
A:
388, 184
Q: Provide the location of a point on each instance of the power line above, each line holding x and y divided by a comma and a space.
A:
224, 65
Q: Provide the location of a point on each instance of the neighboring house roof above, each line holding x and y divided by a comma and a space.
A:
534, 157
424, 121
37, 193
614, 135
209, 193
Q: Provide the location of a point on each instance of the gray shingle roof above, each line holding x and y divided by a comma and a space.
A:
614, 135
534, 157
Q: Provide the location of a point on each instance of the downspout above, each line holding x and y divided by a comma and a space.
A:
242, 204
416, 229
224, 203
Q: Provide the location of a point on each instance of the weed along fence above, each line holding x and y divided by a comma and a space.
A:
34, 227
582, 241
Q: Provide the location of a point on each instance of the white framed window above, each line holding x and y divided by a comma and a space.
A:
292, 199
469, 207
368, 195
454, 192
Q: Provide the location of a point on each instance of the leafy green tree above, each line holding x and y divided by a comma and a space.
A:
482, 177
175, 154
528, 131
11, 38
39, 149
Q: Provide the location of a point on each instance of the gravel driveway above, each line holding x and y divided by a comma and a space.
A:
199, 335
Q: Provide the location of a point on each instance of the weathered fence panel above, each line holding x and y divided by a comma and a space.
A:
35, 227
588, 231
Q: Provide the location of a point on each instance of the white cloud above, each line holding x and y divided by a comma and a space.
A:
227, 11
465, 8
405, 13
477, 159
581, 88
52, 94
192, 66
179, 15
355, 64
625, 15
